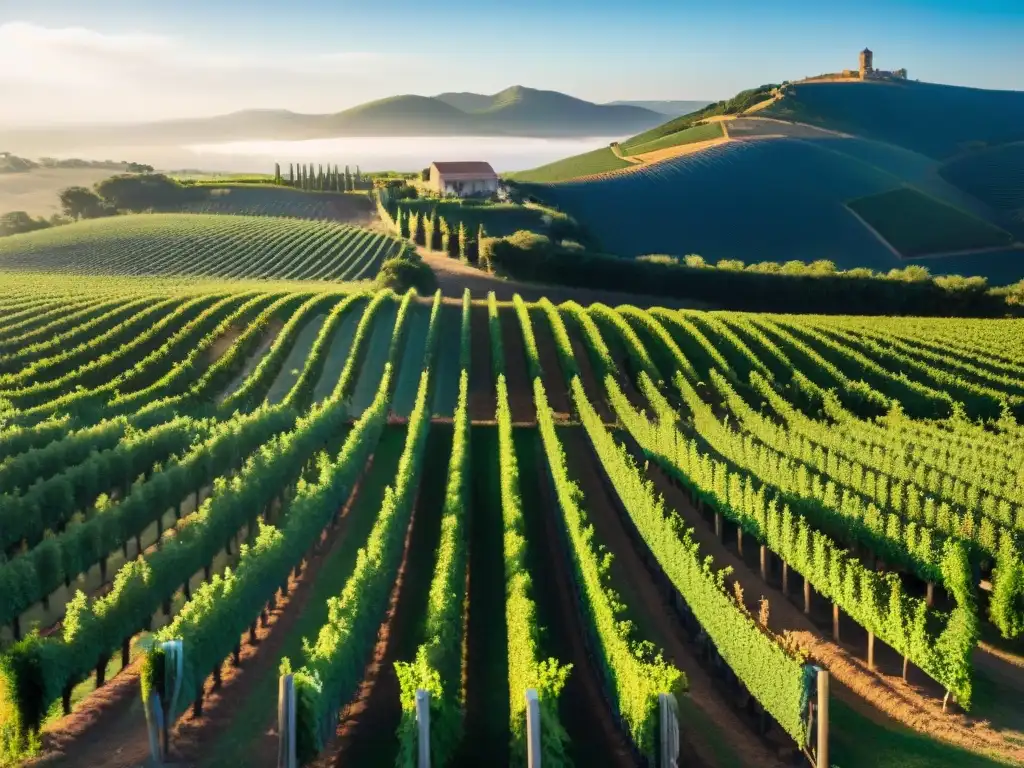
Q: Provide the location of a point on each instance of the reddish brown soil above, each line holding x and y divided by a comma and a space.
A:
591, 386
655, 618
520, 388
552, 374
482, 398
880, 695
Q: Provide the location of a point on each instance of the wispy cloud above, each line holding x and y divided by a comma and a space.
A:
84, 74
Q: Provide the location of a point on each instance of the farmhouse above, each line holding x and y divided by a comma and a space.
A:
464, 179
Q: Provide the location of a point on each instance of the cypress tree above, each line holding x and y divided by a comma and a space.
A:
428, 230
417, 226
475, 252
277, 173
348, 180
435, 225
463, 242
291, 174
359, 176
446, 236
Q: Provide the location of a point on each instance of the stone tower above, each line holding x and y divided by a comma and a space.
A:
866, 63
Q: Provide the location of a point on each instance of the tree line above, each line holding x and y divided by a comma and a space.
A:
322, 178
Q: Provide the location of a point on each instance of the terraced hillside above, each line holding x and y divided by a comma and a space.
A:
203, 245
354, 480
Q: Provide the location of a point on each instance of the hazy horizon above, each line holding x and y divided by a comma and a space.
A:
116, 62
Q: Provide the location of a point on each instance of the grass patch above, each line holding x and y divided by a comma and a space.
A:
692, 135
918, 225
855, 741
600, 160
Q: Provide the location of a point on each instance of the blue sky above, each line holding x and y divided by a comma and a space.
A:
115, 60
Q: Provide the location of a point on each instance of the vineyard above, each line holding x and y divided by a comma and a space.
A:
203, 245
376, 495
265, 200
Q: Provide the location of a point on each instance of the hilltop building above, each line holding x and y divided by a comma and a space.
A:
464, 179
867, 69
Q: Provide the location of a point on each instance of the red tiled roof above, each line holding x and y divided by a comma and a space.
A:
482, 169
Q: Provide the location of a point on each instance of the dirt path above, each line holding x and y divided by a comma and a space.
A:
585, 710
552, 376
366, 735
657, 620
483, 402
881, 697
453, 277
520, 388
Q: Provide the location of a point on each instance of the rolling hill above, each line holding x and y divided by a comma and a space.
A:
936, 171
670, 107
516, 111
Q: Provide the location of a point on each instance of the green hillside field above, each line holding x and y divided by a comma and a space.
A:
697, 133
202, 245
770, 200
592, 163
918, 225
936, 120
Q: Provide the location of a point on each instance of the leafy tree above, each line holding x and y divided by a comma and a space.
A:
144, 191
81, 203
16, 222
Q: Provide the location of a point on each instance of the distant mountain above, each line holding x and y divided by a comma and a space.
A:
670, 108
516, 111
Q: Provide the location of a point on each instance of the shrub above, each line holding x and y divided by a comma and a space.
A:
407, 270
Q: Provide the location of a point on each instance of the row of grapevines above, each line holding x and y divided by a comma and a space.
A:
876, 602
859, 396
437, 667
66, 359
978, 400
773, 675
741, 357
37, 670
42, 401
694, 344
614, 324
251, 392
526, 668
645, 322
30, 577
336, 660
916, 398
301, 393
46, 325
494, 329
941, 475
115, 314
600, 356
51, 503
637, 672
898, 494
195, 377
563, 346
222, 609
105, 360
533, 366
